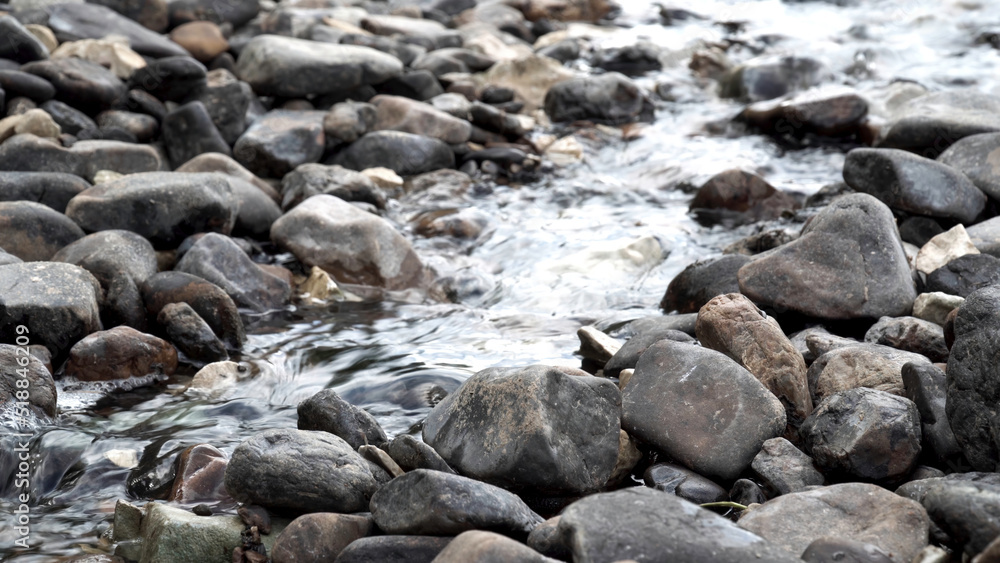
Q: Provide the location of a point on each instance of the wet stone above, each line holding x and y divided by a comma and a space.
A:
281, 140
218, 259
699, 282
736, 197
210, 302
200, 473
327, 412
34, 232
42, 394
410, 453
684, 483
785, 468
120, 353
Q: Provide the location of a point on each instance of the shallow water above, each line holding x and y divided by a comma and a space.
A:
384, 355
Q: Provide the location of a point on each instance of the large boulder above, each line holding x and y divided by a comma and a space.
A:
164, 207
34, 232
881, 440
536, 427
862, 512
352, 245
283, 66
58, 303
914, 184
973, 383
298, 470
404, 153
733, 325
219, 260
433, 503
646, 525
700, 407
848, 263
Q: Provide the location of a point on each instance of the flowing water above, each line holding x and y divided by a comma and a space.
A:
550, 262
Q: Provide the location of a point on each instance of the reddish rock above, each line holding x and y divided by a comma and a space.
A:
203, 39
747, 195
201, 472
318, 537
120, 353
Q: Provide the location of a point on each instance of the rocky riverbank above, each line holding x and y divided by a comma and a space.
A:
324, 280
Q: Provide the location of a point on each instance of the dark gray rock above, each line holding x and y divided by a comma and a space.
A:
226, 99
144, 127
28, 153
350, 244
300, 471
34, 232
699, 282
281, 140
236, 12
308, 180
768, 77
746, 492
545, 539
69, 119
57, 302
973, 383
700, 407
410, 453
83, 84
735, 197
404, 153
188, 131
848, 263
925, 385
319, 536
151, 14
19, 44
210, 302
16, 83
219, 260
403, 51
843, 550
190, 334
918, 230
610, 98
628, 355
348, 121
327, 412
911, 183
393, 549
72, 22
120, 261
257, 209
39, 398
164, 207
647, 525
986, 236
974, 157
433, 503
535, 428
831, 112
170, 78
415, 84
283, 66
964, 275
910, 334
684, 483
882, 442
859, 511
929, 124
968, 511
785, 468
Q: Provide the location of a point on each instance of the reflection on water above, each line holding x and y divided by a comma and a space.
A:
557, 257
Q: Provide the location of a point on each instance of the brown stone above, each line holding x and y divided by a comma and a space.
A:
203, 39
201, 471
476, 546
397, 113
862, 512
319, 537
744, 193
733, 325
862, 365
120, 353
210, 302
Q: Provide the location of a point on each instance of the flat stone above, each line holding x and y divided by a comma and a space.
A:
944, 248
219, 260
72, 22
700, 407
862, 512
410, 453
53, 189
859, 365
772, 76
404, 153
684, 483
203, 39
28, 153
83, 84
535, 428
308, 180
432, 503
832, 550
848, 263
34, 232
628, 355
114, 51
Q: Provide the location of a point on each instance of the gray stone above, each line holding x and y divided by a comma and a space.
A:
785, 468
404, 153
700, 281
975, 156
881, 442
191, 335
628, 355
327, 412
429, 33
188, 131
164, 207
537, 428
545, 539
843, 550
986, 236
144, 127
610, 98
432, 503
477, 546
964, 275
700, 407
348, 121
283, 66
49, 188
303, 471
910, 334
735, 197
174, 535
848, 263
58, 303
973, 381
646, 525
39, 398
351, 245
393, 549
226, 100
859, 365
210, 302
395, 113
907, 182
968, 511
28, 153
764, 78
308, 180
34, 232
281, 140
862, 512
410, 453
925, 385
19, 44
318, 537
684, 483
257, 210
72, 22
929, 124
219, 260
87, 86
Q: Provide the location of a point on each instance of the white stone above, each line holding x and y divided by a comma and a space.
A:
384, 177
111, 52
944, 248
935, 306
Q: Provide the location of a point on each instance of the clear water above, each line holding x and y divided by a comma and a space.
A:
542, 289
